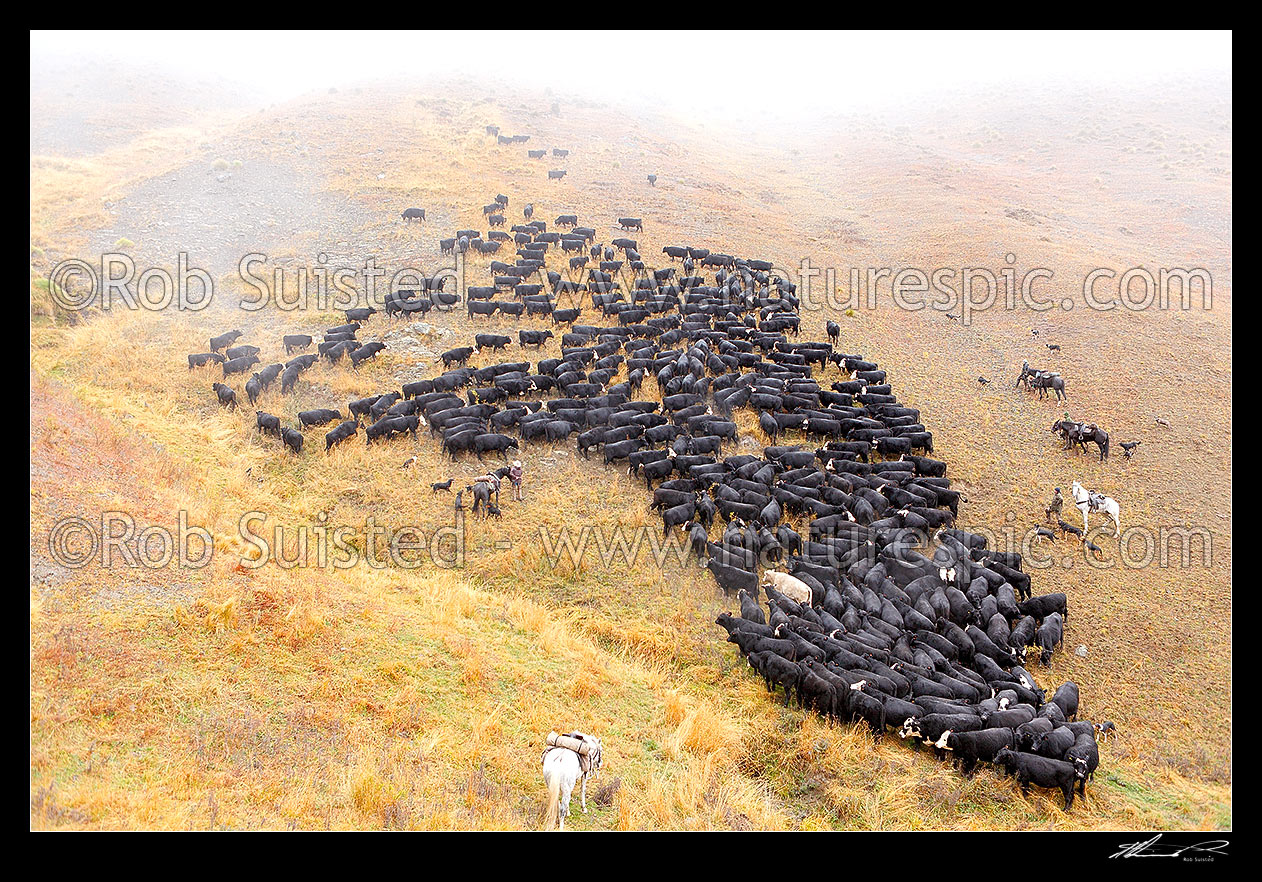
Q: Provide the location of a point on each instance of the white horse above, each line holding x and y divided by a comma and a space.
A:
562, 769
1097, 502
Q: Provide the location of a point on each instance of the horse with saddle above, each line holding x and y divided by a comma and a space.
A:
1042, 381
1078, 434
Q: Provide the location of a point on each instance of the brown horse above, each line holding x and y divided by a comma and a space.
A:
1080, 433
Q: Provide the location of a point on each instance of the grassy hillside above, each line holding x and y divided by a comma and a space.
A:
393, 696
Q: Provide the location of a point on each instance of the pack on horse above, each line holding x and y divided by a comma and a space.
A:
1079, 434
567, 760
1092, 501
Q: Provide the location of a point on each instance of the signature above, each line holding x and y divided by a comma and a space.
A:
1153, 848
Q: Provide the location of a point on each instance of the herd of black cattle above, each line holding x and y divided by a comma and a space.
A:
862, 625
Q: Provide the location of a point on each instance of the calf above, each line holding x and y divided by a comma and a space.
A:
267, 424
491, 341
386, 428
202, 359
732, 579
1043, 605
227, 397
677, 516
1026, 733
859, 705
750, 610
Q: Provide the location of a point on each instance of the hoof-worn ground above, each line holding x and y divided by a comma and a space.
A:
387, 695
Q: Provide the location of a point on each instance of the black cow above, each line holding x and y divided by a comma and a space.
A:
1049, 636
295, 342
239, 365
971, 747
1032, 769
343, 431
227, 397
204, 358
223, 340
493, 443
776, 670
320, 417
1085, 757
267, 423
732, 579
253, 388
365, 352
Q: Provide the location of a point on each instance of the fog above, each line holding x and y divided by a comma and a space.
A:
780, 74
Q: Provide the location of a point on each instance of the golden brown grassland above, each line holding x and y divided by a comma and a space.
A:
418, 698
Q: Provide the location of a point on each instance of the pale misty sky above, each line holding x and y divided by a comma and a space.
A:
784, 72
